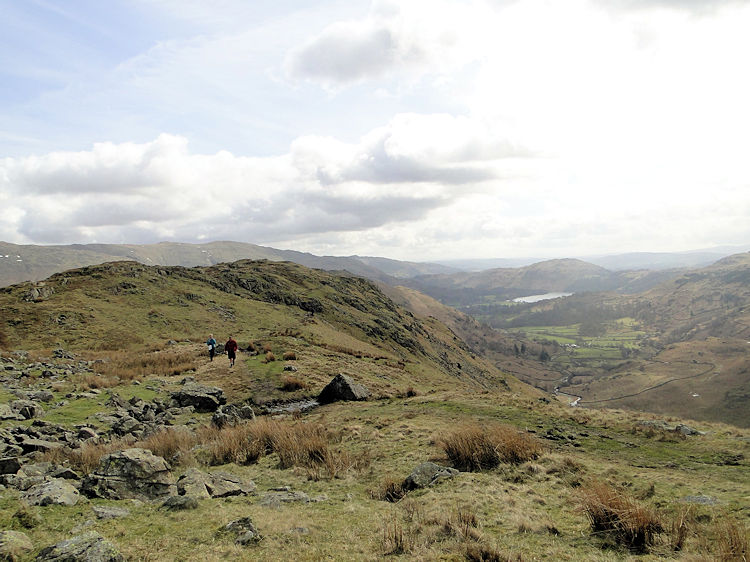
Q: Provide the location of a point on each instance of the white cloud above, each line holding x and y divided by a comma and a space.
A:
417, 36
321, 186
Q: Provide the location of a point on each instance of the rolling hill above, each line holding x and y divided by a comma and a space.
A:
127, 305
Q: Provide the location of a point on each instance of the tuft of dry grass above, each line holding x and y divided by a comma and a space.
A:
85, 459
136, 366
242, 443
732, 543
679, 528
613, 513
391, 489
481, 552
462, 522
270, 357
267, 348
474, 448
395, 539
290, 383
172, 444
92, 380
307, 445
289, 356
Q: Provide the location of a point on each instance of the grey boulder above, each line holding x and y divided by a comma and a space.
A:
428, 474
52, 492
343, 387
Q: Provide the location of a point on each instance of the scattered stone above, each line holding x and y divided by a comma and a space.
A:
223, 484
193, 484
65, 473
290, 368
428, 474
180, 503
41, 445
38, 292
701, 500
14, 545
86, 433
687, 430
62, 354
52, 492
664, 426
89, 547
27, 409
275, 499
110, 512
127, 425
343, 387
244, 529
6, 413
219, 484
232, 414
40, 396
10, 465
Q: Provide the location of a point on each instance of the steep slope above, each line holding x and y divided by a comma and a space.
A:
499, 347
713, 301
33, 263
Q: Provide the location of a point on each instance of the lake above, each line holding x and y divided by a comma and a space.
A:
544, 297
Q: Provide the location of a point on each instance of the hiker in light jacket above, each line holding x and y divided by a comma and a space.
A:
211, 343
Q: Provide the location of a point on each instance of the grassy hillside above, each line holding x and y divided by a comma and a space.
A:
432, 399
129, 306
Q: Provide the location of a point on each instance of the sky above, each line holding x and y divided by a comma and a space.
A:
420, 130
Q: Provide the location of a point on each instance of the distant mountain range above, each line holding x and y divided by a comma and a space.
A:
613, 262
20, 263
560, 275
34, 263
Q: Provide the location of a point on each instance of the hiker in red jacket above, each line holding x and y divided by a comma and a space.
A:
231, 349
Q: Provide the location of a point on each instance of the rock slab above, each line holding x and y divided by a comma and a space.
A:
88, 547
130, 474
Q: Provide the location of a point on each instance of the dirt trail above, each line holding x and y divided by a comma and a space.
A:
234, 381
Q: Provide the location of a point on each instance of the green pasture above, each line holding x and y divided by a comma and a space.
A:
622, 333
